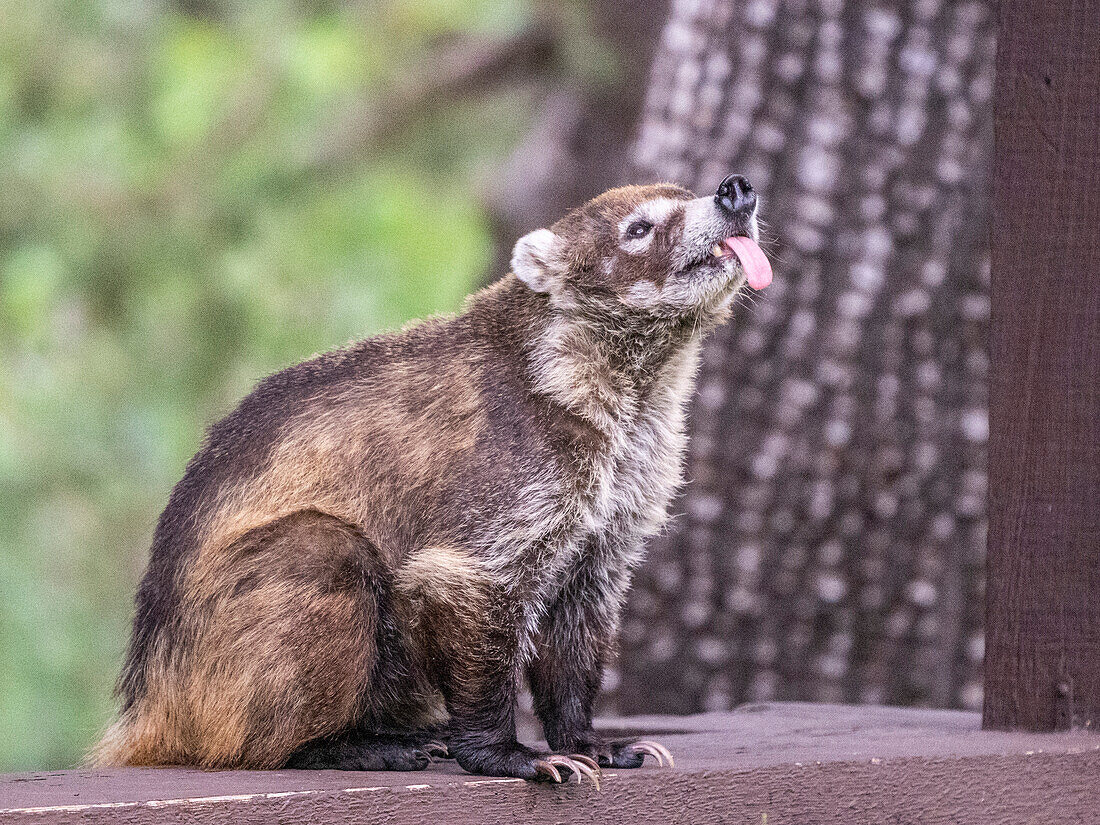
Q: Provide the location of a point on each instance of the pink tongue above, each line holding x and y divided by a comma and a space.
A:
753, 260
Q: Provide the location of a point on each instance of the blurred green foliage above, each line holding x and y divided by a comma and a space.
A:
166, 240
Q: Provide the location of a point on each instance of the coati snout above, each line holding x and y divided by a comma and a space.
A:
650, 251
370, 551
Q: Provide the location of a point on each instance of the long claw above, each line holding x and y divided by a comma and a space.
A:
582, 767
666, 752
656, 750
575, 766
438, 749
544, 768
587, 760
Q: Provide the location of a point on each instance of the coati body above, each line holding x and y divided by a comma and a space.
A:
377, 544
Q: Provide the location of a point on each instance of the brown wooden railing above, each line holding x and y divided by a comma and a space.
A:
762, 764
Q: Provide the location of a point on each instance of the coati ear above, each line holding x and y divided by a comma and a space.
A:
533, 260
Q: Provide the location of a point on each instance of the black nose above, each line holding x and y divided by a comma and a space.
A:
735, 196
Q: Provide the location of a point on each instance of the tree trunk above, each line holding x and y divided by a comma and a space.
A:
582, 138
831, 539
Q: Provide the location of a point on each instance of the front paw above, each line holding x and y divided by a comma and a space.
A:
516, 760
631, 754
627, 753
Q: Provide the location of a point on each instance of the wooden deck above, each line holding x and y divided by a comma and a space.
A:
762, 764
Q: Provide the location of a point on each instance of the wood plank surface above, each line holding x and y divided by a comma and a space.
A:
790, 763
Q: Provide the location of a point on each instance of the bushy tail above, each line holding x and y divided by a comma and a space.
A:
114, 749
130, 741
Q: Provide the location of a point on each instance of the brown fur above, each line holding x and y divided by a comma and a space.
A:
386, 536
262, 674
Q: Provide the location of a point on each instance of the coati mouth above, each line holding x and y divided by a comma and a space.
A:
754, 263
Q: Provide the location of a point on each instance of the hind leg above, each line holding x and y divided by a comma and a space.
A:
283, 636
363, 751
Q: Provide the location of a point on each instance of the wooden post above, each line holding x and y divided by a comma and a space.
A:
1043, 600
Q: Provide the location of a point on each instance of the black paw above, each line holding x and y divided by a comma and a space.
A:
632, 754
364, 752
519, 761
621, 754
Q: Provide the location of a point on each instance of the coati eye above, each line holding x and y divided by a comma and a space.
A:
638, 229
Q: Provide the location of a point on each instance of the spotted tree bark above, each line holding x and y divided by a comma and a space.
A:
830, 543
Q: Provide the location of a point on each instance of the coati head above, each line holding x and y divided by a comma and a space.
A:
649, 253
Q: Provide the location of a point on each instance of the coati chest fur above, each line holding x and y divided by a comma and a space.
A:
367, 555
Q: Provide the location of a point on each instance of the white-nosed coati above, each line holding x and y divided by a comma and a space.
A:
368, 554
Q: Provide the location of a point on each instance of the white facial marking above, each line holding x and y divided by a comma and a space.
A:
655, 212
754, 224
703, 226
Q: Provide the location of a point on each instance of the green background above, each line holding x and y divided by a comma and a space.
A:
171, 231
